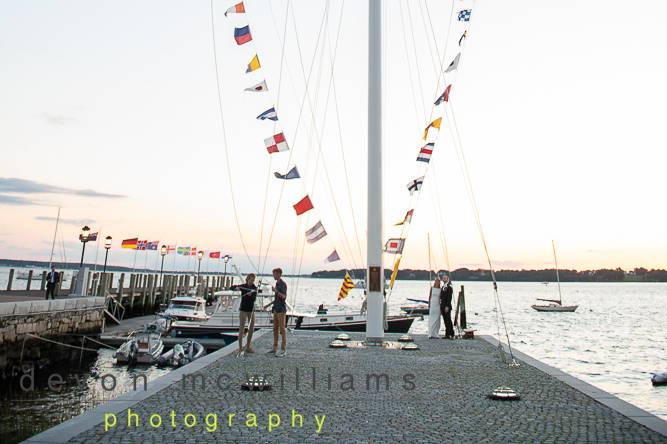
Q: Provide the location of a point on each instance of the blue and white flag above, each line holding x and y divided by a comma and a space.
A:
333, 257
464, 15
291, 174
269, 114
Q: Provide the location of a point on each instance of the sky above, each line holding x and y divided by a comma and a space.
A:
109, 110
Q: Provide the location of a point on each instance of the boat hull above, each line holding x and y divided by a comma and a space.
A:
555, 309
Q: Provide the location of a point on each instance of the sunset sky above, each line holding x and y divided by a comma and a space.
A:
109, 109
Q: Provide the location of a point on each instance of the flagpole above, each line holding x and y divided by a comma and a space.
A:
134, 263
375, 270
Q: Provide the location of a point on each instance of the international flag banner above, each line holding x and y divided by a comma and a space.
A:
242, 35
193, 251
291, 174
394, 246
463, 37
253, 65
269, 114
260, 87
455, 63
214, 255
276, 143
333, 257
130, 243
435, 124
425, 153
394, 273
171, 249
238, 8
348, 285
316, 233
303, 205
444, 97
407, 219
91, 237
415, 185
152, 245
141, 245
183, 251
464, 15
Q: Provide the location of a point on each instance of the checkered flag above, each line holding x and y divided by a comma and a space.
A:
464, 15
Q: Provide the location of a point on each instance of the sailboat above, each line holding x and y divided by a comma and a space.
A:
555, 305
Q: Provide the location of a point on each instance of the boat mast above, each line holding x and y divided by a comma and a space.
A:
53, 244
560, 297
375, 270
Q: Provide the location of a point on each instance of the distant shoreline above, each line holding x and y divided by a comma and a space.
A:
461, 275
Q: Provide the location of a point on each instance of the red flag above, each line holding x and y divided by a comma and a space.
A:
303, 205
214, 255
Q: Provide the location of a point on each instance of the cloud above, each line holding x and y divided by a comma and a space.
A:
24, 186
57, 119
77, 222
15, 200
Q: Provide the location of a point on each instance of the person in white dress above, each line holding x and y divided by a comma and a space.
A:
434, 310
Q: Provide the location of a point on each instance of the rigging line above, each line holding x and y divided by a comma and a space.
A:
442, 74
414, 49
224, 138
407, 57
428, 41
266, 195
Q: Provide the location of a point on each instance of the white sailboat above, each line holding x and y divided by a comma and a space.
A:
555, 305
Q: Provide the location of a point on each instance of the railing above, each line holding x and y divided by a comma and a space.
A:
32, 307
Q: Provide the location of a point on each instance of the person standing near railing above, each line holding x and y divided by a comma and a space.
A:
52, 279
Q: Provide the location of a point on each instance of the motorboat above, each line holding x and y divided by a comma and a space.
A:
186, 308
421, 307
143, 347
659, 378
182, 354
225, 319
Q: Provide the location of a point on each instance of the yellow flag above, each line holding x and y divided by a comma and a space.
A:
394, 273
434, 124
253, 65
346, 287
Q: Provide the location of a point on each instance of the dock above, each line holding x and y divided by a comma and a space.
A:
320, 394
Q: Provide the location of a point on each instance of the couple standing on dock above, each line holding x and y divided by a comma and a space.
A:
440, 304
247, 312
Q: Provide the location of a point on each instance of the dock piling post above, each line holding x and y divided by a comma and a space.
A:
27, 286
42, 287
11, 278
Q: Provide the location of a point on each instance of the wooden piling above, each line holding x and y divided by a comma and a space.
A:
42, 286
11, 279
27, 286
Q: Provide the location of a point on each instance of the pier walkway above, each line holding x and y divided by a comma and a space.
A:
436, 394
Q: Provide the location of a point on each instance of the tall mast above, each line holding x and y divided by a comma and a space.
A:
553, 247
375, 270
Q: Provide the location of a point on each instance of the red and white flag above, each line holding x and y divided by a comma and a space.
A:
407, 219
425, 153
276, 143
303, 205
238, 8
394, 246
214, 255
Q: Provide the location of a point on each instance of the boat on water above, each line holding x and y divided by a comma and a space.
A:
182, 354
420, 308
143, 347
225, 319
659, 378
555, 305
186, 308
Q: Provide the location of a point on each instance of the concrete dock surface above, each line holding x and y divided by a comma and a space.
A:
319, 394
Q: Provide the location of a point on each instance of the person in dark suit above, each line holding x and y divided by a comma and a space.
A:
52, 279
446, 295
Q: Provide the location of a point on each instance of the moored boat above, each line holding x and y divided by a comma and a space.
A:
182, 354
143, 347
186, 308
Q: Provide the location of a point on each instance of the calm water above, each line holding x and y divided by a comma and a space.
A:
613, 341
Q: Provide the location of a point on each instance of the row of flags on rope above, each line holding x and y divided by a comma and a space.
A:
431, 131
277, 143
145, 245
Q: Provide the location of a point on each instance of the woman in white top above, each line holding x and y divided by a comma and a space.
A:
434, 310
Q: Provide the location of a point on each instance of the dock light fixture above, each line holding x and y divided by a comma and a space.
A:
163, 253
256, 384
504, 394
107, 247
83, 237
226, 259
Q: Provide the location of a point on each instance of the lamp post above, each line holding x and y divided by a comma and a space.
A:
200, 256
83, 237
224, 275
107, 247
163, 253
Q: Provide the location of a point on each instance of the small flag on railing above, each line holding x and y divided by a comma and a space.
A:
415, 185
269, 114
152, 245
253, 65
333, 257
291, 174
183, 251
303, 205
455, 63
464, 15
348, 285
425, 153
171, 248
394, 246
407, 219
214, 255
242, 35
435, 124
260, 87
316, 233
444, 97
141, 245
90, 237
130, 243
275, 144
193, 251
238, 8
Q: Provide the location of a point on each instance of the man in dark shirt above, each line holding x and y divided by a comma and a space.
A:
279, 312
446, 309
52, 279
247, 310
